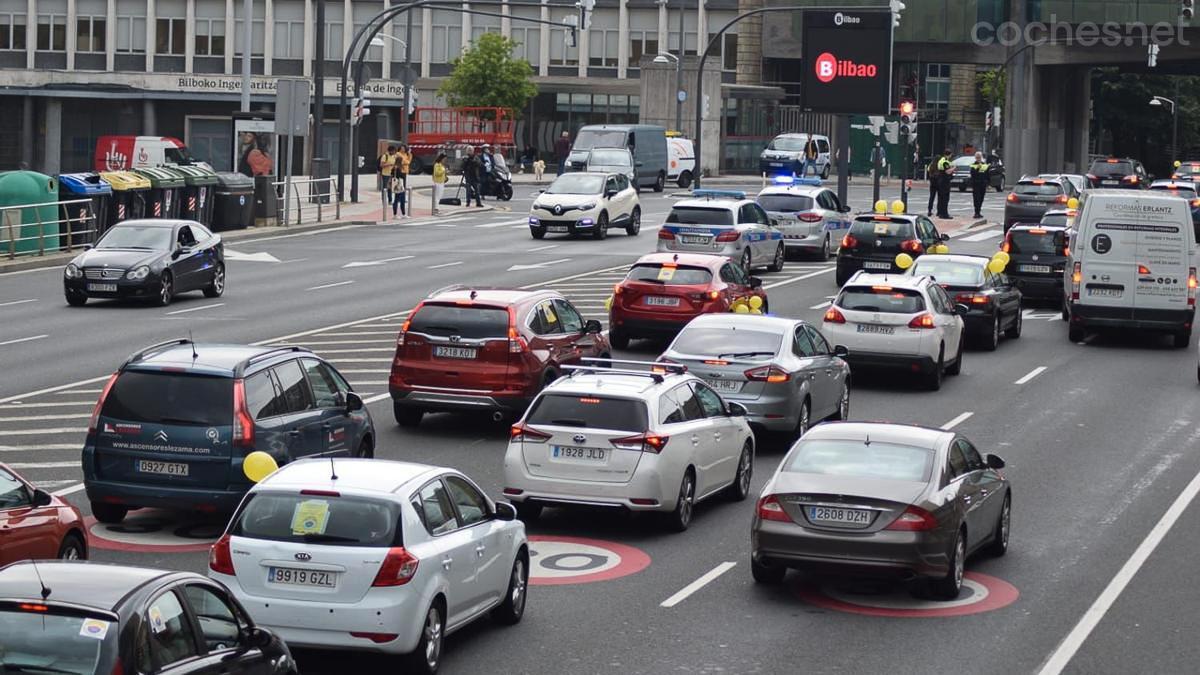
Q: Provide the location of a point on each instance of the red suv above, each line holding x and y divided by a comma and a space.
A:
664, 291
477, 349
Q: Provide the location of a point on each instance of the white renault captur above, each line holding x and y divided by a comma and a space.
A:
374, 555
654, 438
586, 203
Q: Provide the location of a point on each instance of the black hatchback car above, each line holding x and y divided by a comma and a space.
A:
175, 422
1038, 259
1116, 172
92, 619
874, 241
993, 302
148, 260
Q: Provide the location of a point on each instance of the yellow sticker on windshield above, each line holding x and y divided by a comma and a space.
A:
94, 628
666, 273
881, 228
310, 517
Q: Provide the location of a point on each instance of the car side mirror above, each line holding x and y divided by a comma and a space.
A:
994, 461
638, 163
506, 511
943, 237
961, 309
41, 498
737, 409
841, 351
87, 247
592, 327
844, 209
258, 638
755, 282
609, 194
354, 402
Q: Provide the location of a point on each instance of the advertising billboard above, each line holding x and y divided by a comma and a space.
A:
847, 62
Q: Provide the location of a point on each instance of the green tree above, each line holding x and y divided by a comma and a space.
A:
487, 75
1122, 111
991, 85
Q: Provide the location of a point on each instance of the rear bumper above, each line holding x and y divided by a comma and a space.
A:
666, 327
911, 362
445, 400
1039, 286
848, 265
143, 495
1168, 320
647, 483
885, 552
770, 412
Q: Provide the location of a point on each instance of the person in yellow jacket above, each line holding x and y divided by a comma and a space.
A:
945, 168
440, 175
387, 167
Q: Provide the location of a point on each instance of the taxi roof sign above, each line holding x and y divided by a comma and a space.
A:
719, 194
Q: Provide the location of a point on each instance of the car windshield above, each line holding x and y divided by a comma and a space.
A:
591, 412
698, 215
152, 237
326, 518
787, 144
727, 342
1046, 188
1036, 241
609, 158
783, 203
473, 322
576, 184
157, 397
883, 299
45, 642
670, 275
948, 272
599, 138
856, 459
1111, 168
964, 162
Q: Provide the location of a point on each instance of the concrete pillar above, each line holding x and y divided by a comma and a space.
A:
658, 104
623, 39
151, 33
30, 31
583, 48
749, 32
427, 38
52, 143
388, 45
543, 42
663, 34
27, 130
701, 26
189, 50
72, 15
110, 36
506, 21
268, 36
466, 27
230, 32
310, 28
149, 118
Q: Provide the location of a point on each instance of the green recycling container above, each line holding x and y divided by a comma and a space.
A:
35, 228
166, 188
200, 185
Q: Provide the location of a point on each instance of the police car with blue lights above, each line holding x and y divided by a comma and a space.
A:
810, 216
723, 222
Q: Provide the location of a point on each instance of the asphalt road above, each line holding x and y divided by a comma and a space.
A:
1100, 439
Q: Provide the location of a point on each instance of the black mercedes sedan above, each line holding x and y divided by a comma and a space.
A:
87, 618
149, 260
992, 299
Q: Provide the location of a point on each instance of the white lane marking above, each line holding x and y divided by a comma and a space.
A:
71, 392
592, 273
10, 303
367, 332
449, 264
377, 397
1031, 374
197, 309
43, 446
372, 263
362, 350
24, 339
68, 490
333, 285
323, 329
261, 256
43, 465
1066, 650
502, 223
957, 421
547, 247
45, 418
57, 389
823, 305
982, 236
696, 585
42, 432
343, 342
535, 266
56, 404
301, 234
793, 280
376, 371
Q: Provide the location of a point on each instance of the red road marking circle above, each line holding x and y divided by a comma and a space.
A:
555, 560
155, 531
983, 593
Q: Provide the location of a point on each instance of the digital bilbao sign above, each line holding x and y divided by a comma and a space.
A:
848, 62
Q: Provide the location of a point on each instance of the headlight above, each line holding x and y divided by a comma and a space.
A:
587, 207
73, 271
138, 273
533, 220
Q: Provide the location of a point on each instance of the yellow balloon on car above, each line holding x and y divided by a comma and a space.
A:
881, 206
608, 304
754, 310
1178, 164
755, 302
941, 249
996, 266
897, 206
258, 465
904, 261
741, 309
1003, 257
1072, 203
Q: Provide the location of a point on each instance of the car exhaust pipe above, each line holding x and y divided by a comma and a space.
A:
497, 416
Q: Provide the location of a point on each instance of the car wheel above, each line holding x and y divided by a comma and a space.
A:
537, 232
407, 416
1076, 334
1182, 339
803, 420
685, 179
949, 586
506, 192
527, 512
426, 658
777, 263
740, 487
766, 574
72, 548
679, 519
1000, 188
512, 609
76, 299
618, 338
999, 545
843, 410
635, 222
993, 337
109, 514
825, 249
365, 450
416, 167
166, 290
1014, 331
661, 182
1066, 313
956, 367
217, 287
601, 227
933, 381
825, 172
746, 261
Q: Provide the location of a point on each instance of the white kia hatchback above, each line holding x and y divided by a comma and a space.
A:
373, 555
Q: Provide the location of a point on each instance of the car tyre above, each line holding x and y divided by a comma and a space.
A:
992, 340
365, 450
166, 290
956, 368
660, 183
510, 611
427, 657
618, 338
635, 222
826, 249
843, 409
527, 512
506, 192
601, 227
407, 416
1076, 334
1182, 339
999, 543
1066, 312
109, 514
949, 586
1014, 332
825, 172
933, 381
685, 178
217, 286
680, 518
537, 232
777, 262
803, 420
746, 261
76, 299
72, 548
739, 489
766, 574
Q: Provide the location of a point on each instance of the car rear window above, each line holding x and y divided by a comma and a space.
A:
473, 322
1106, 168
785, 203
698, 215
170, 398
1186, 193
724, 342
46, 642
591, 412
949, 272
1055, 219
868, 228
1046, 188
678, 275
883, 299
315, 518
1036, 241
855, 459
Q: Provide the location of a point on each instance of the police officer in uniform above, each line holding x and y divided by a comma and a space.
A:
944, 168
979, 182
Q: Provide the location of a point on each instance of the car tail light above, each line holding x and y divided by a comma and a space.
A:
398, 568
769, 508
220, 559
1142, 269
972, 298
618, 289
1061, 199
809, 217
1196, 203
1092, 176
1012, 198
516, 343
1066, 249
642, 442
728, 236
243, 421
772, 374
922, 321
914, 519
849, 241
95, 420
1076, 278
377, 638
912, 246
1007, 245
118, 667
834, 315
527, 434
1191, 285
320, 493
666, 234
1130, 179
32, 607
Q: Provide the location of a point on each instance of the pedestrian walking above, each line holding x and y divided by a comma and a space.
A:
472, 171
387, 168
811, 153
945, 168
562, 148
931, 173
400, 173
441, 175
980, 177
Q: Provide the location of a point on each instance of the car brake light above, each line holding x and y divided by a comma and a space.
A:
1076, 278
833, 315
1142, 269
666, 234
1037, 231
516, 343
617, 289
914, 519
31, 607
1007, 245
1038, 181
1191, 286
849, 241
243, 422
321, 493
1196, 203
769, 508
772, 374
1012, 197
912, 246
1130, 179
1111, 161
526, 434
398, 568
377, 638
728, 236
1061, 199
715, 362
972, 299
94, 422
809, 217
641, 443
220, 558
922, 321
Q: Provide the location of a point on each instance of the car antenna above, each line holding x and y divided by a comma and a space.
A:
868, 440
192, 344
45, 589
332, 469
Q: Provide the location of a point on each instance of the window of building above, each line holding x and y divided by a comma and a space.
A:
447, 36
689, 38
484, 24
334, 51
603, 40
363, 13
642, 43
529, 39
725, 52
401, 33
560, 53
12, 27
89, 34
170, 36
257, 29
52, 26
937, 83
210, 37
131, 26
289, 30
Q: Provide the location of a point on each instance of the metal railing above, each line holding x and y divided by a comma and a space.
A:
308, 201
22, 226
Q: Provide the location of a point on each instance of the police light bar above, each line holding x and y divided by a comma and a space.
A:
719, 194
784, 180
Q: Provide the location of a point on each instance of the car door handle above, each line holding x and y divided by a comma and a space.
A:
480, 549
695, 439
983, 493
294, 432
447, 562
966, 499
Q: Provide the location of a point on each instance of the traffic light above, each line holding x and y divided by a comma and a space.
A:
898, 7
359, 108
571, 22
585, 12
908, 118
1152, 55
1187, 9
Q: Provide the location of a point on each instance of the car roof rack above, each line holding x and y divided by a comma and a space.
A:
240, 369
657, 369
155, 348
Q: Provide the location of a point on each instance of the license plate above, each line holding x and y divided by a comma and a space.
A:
694, 239
455, 352
295, 577
1110, 182
102, 288
725, 386
882, 330
877, 265
1106, 292
557, 228
776, 163
584, 454
162, 468
825, 514
662, 301
1040, 269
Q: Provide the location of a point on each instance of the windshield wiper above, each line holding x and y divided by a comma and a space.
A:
31, 668
745, 354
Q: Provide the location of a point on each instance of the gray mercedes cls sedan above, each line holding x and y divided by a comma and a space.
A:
881, 500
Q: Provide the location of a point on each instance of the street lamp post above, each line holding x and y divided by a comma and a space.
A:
667, 57
1158, 101
377, 42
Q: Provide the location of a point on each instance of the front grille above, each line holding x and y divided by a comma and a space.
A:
102, 273
548, 223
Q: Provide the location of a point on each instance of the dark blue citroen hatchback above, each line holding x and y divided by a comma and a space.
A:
175, 422
91, 619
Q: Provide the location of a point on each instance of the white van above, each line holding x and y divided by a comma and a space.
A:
785, 155
681, 164
1131, 265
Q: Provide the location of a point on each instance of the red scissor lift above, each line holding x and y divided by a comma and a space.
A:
434, 130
